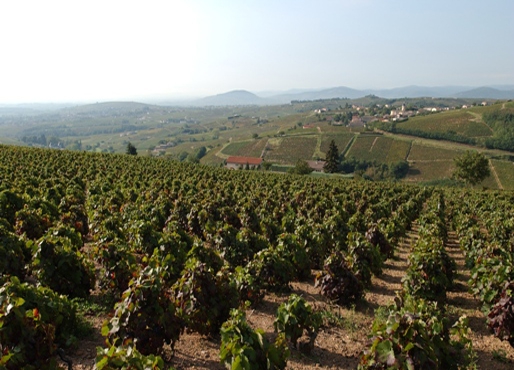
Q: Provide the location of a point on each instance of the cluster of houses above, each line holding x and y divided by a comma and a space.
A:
396, 114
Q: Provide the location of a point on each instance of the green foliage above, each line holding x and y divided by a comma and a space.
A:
131, 149
472, 167
295, 317
363, 258
332, 158
145, 314
118, 265
430, 272
273, 270
248, 287
13, 253
203, 297
489, 276
501, 316
58, 265
31, 223
501, 121
289, 247
10, 203
234, 250
243, 348
377, 239
125, 356
416, 335
399, 170
301, 168
447, 135
34, 321
337, 281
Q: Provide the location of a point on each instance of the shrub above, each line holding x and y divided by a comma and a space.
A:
145, 314
58, 265
489, 275
273, 271
118, 266
430, 272
296, 318
204, 298
290, 249
501, 316
125, 356
377, 239
10, 203
363, 258
247, 285
31, 223
338, 282
34, 321
245, 348
13, 253
417, 335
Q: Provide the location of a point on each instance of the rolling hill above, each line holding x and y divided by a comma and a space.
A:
243, 97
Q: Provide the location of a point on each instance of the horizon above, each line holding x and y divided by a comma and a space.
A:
184, 50
265, 94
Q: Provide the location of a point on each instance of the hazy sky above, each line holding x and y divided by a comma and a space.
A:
101, 50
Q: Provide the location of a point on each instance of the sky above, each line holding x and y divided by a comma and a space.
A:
73, 51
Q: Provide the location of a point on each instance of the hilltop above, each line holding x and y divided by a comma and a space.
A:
236, 97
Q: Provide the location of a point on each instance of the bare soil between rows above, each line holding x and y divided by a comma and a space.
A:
337, 346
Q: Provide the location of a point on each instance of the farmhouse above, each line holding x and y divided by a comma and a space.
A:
241, 162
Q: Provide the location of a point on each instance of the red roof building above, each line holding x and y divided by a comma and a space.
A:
237, 162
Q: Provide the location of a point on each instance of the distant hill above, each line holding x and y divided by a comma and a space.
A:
335, 92
236, 97
243, 97
108, 107
486, 93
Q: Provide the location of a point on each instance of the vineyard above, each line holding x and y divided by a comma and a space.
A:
460, 121
121, 262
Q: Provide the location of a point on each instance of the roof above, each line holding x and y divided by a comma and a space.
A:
244, 160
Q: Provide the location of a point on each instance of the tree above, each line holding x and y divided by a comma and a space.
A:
332, 159
267, 165
472, 167
301, 168
399, 169
131, 149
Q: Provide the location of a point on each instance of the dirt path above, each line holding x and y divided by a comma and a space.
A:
495, 174
478, 119
372, 145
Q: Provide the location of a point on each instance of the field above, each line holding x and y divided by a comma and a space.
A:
428, 153
379, 148
225, 131
341, 140
362, 147
460, 121
430, 170
398, 151
252, 148
155, 254
289, 150
505, 171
